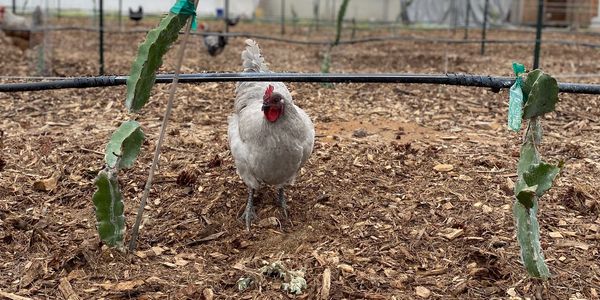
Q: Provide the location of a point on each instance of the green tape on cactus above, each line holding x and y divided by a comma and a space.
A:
515, 103
149, 59
187, 8
124, 145
108, 203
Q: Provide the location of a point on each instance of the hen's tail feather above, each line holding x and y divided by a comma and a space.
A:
252, 60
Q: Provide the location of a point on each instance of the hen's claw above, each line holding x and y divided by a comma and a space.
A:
282, 203
249, 213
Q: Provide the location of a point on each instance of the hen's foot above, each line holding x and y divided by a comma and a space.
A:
249, 213
282, 203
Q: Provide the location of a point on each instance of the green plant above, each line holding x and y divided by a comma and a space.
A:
535, 177
121, 152
125, 143
326, 64
149, 59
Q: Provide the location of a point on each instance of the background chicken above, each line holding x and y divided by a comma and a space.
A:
136, 16
232, 21
269, 136
18, 28
214, 43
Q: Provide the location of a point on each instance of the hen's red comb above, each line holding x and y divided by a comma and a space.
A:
268, 92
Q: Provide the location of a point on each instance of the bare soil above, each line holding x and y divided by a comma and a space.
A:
369, 207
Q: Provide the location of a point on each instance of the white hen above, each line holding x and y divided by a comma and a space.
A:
269, 136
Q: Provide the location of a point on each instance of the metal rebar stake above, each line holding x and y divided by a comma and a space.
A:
467, 16
226, 12
282, 17
101, 38
484, 29
538, 35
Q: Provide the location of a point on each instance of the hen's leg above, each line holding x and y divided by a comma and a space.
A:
281, 201
249, 213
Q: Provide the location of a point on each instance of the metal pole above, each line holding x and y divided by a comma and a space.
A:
333, 11
538, 35
226, 15
454, 11
467, 19
485, 20
121, 14
14, 6
282, 17
101, 42
317, 14
58, 9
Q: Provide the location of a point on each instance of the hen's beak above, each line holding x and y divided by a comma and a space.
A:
266, 105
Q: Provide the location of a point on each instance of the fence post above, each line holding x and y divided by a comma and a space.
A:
120, 14
226, 16
101, 42
467, 19
316, 12
485, 20
454, 11
538, 35
282, 17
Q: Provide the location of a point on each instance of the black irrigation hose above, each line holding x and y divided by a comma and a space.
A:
327, 42
495, 83
397, 38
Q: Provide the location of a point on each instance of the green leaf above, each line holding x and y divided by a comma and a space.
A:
340, 21
124, 145
109, 207
527, 196
542, 94
529, 81
528, 235
529, 156
541, 176
532, 183
325, 65
149, 59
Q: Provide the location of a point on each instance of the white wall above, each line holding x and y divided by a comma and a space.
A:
206, 7
375, 10
420, 11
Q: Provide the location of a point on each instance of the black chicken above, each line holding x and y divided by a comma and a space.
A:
232, 22
215, 44
136, 16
